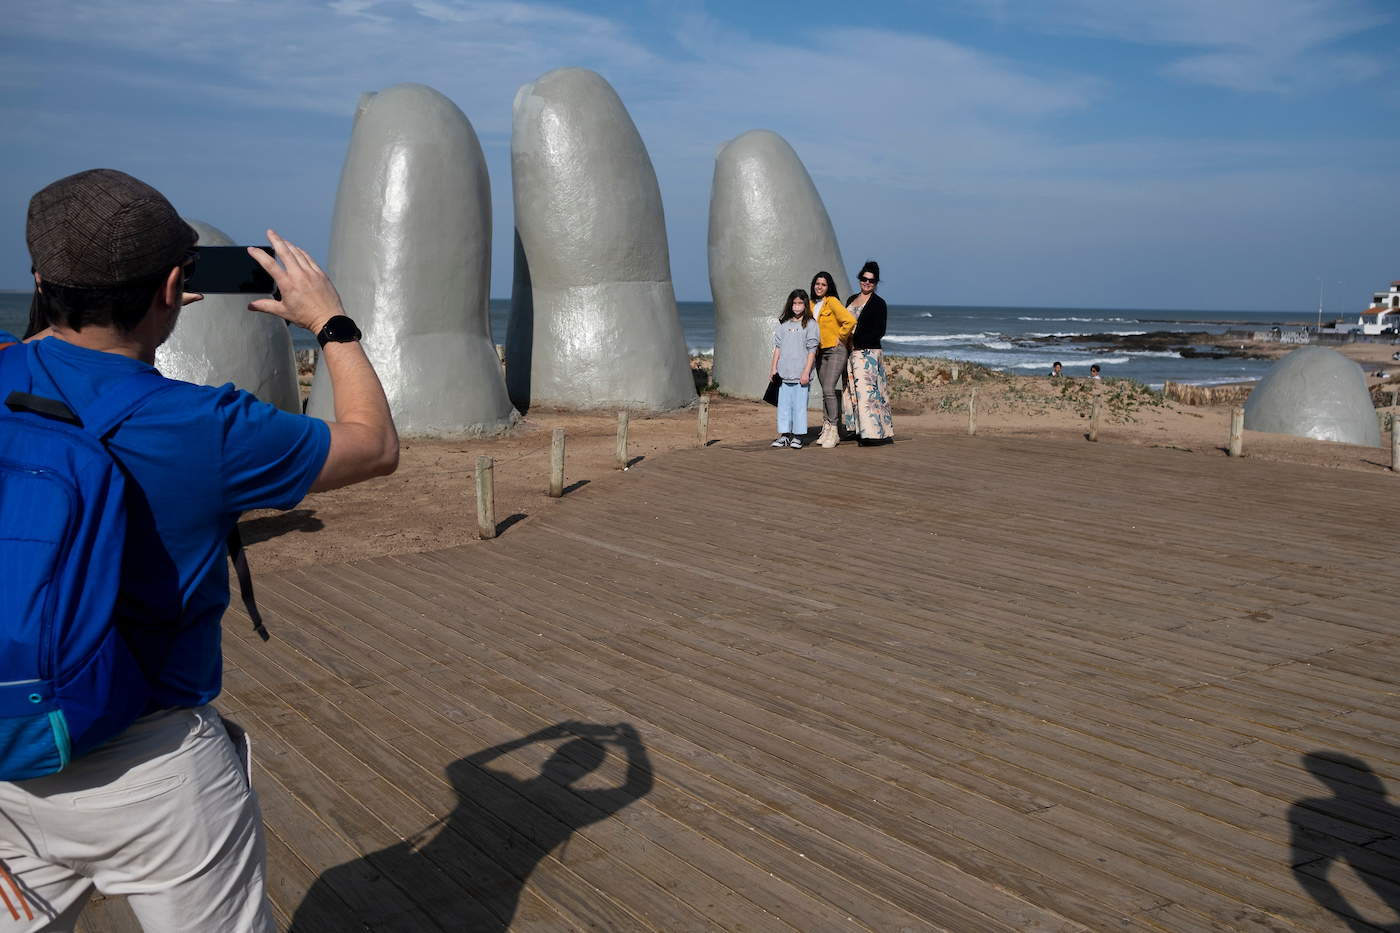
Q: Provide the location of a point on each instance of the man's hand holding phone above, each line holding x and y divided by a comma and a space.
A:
308, 299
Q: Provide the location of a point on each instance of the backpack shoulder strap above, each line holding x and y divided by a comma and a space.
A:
109, 410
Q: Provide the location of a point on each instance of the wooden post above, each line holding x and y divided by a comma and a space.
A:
702, 424
955, 372
1380, 419
622, 440
1094, 410
485, 497
972, 413
1236, 431
1394, 445
556, 465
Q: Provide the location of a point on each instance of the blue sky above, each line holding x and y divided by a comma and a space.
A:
1183, 154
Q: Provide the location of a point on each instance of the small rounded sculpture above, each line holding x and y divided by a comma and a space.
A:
219, 340
1314, 392
769, 233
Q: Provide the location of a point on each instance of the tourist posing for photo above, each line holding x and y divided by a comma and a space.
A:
795, 341
836, 325
867, 398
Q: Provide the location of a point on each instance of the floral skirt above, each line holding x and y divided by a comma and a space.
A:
866, 398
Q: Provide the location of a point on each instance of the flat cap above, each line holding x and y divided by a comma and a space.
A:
102, 229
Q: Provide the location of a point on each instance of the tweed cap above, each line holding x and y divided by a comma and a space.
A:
101, 229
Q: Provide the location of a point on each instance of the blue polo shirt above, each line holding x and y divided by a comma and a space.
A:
195, 457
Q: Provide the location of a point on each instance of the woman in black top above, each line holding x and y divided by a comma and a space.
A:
867, 398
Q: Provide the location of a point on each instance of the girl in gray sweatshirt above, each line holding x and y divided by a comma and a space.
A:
795, 342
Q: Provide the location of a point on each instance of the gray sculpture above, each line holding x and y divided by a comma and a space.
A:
410, 253
219, 340
769, 234
593, 319
1314, 392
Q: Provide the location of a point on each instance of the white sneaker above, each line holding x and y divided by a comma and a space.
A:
829, 437
780, 442
796, 442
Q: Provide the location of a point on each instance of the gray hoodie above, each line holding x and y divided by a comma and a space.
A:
794, 342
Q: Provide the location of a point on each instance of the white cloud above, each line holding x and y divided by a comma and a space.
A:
1253, 45
904, 108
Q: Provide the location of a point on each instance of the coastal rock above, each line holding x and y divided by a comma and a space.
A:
410, 253
593, 313
769, 233
1314, 392
218, 340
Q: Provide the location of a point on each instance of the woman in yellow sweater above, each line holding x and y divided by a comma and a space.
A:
836, 324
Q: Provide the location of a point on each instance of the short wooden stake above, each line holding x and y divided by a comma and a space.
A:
972, 413
702, 424
556, 465
1236, 431
1380, 419
1094, 410
485, 497
622, 440
955, 372
1394, 445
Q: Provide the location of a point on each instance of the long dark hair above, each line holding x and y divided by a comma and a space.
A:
787, 314
872, 267
830, 285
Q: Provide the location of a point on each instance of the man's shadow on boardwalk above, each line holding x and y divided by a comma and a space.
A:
467, 871
1357, 825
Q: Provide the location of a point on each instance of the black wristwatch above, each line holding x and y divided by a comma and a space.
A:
339, 329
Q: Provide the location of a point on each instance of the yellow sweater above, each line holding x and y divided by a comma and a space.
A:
835, 321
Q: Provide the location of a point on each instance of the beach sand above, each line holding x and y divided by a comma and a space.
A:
430, 503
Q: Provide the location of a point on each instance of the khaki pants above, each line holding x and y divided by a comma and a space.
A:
164, 813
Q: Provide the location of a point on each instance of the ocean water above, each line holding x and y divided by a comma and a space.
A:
1017, 340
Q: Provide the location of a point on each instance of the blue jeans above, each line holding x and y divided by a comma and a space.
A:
792, 408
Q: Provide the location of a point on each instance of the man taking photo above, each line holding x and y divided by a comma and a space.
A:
164, 812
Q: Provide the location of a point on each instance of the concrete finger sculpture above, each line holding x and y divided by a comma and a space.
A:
1314, 392
219, 340
593, 313
769, 233
410, 253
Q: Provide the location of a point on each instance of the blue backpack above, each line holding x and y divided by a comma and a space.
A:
68, 680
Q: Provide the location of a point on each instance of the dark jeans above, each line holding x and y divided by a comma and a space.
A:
831, 364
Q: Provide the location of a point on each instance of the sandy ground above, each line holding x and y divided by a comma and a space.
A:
430, 502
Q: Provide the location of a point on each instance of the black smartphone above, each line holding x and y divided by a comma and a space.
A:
223, 270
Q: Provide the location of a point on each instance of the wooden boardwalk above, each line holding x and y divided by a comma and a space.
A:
963, 684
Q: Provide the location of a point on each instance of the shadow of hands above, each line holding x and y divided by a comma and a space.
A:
256, 530
1357, 825
469, 874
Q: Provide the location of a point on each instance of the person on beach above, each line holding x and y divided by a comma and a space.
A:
836, 325
164, 810
1094, 371
795, 341
867, 398
1055, 370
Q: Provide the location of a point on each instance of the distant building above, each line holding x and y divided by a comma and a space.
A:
1382, 304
